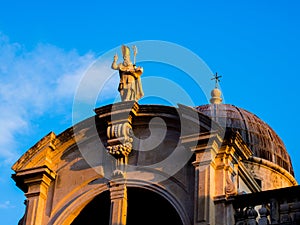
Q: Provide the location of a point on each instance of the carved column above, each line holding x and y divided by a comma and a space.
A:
119, 145
36, 181
118, 196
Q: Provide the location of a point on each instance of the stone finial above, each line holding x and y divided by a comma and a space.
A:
216, 96
216, 93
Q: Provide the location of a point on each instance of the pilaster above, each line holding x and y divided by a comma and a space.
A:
205, 151
35, 182
227, 164
118, 196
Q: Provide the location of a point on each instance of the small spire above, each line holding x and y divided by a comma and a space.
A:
216, 93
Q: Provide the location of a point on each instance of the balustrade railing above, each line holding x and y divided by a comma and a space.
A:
278, 207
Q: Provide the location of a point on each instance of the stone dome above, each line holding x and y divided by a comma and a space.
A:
260, 138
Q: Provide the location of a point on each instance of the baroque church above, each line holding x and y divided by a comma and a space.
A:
214, 164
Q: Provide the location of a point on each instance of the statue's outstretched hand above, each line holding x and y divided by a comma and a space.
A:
116, 57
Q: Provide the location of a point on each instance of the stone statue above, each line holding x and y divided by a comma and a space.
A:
130, 86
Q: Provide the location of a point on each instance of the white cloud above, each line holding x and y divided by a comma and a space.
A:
99, 81
6, 205
32, 84
11, 123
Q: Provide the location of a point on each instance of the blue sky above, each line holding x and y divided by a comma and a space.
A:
47, 46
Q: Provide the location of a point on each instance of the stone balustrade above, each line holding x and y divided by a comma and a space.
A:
279, 206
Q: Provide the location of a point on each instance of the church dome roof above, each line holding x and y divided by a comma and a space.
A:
260, 138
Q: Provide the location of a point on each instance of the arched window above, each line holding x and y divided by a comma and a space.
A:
144, 207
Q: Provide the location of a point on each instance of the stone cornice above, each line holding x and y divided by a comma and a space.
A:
273, 166
45, 143
26, 177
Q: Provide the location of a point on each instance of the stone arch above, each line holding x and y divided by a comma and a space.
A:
165, 194
96, 212
71, 209
148, 207
67, 214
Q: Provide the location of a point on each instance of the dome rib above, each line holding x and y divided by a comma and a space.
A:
260, 138
245, 123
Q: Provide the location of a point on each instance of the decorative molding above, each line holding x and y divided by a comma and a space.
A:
46, 143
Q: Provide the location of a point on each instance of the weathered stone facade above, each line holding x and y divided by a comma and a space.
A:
187, 162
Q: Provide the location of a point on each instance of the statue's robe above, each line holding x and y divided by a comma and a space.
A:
130, 86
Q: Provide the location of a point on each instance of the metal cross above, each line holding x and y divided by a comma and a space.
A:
217, 79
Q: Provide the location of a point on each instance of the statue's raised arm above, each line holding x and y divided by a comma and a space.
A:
130, 86
114, 64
